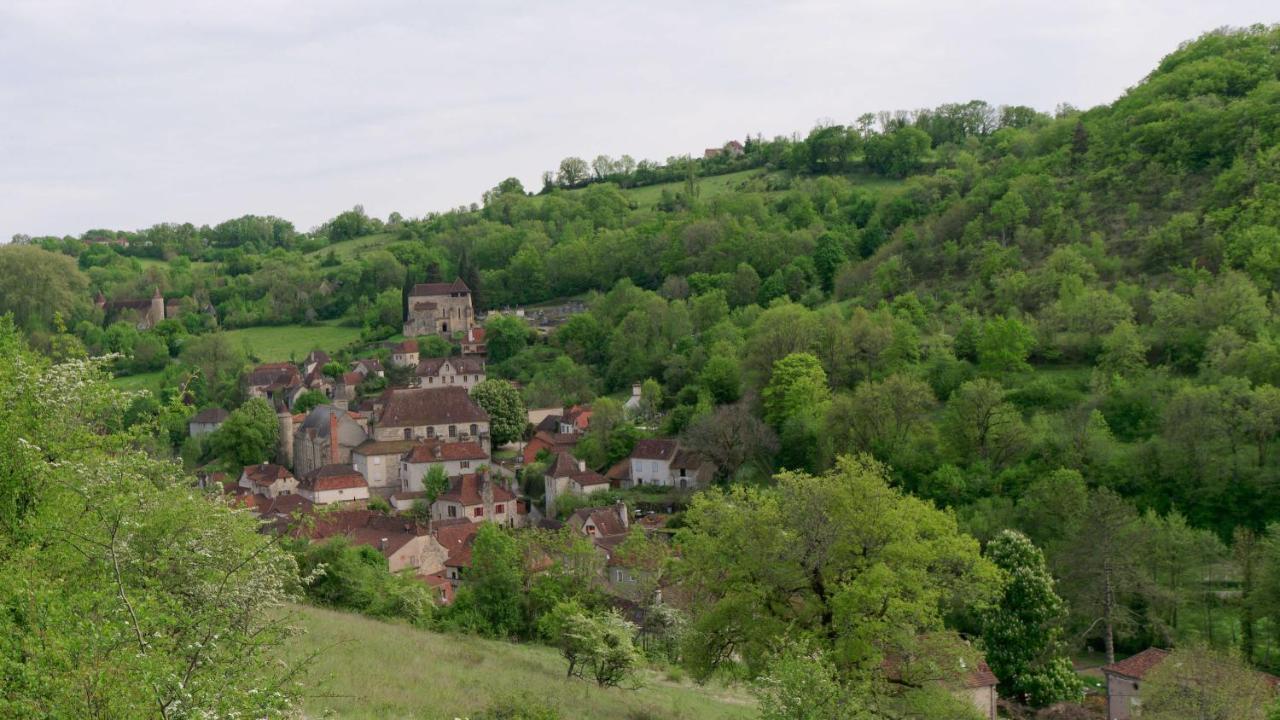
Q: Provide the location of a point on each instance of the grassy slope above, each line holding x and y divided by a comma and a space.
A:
348, 249
369, 669
278, 343
145, 381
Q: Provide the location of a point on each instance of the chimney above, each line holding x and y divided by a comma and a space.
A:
486, 493
582, 466
285, 445
635, 390
333, 436
382, 544
623, 515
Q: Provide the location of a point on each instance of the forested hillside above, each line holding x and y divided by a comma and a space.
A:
1059, 323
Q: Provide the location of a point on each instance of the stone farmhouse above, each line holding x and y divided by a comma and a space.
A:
268, 480
465, 372
567, 476
558, 433
1125, 681
473, 343
663, 462
336, 483
446, 413
206, 421
439, 309
477, 497
404, 353
455, 458
278, 383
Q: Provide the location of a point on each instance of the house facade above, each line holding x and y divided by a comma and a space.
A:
456, 459
478, 498
439, 309
379, 463
473, 343
206, 421
662, 461
405, 353
569, 476
465, 372
1124, 682
447, 414
267, 479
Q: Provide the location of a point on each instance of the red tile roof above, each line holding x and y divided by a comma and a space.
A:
467, 490
605, 519
384, 447
456, 536
275, 374
655, 449
429, 451
364, 527
1137, 666
210, 415
332, 477
266, 473
981, 676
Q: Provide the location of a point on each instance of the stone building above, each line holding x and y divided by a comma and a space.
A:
143, 313
439, 309
313, 440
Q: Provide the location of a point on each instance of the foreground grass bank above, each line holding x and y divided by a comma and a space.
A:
369, 669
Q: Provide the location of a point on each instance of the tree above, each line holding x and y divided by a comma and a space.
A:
1022, 631
434, 482
489, 600
505, 336
248, 435
744, 286
1004, 345
308, 401
898, 153
731, 438
573, 170
1201, 683
979, 424
601, 644
722, 377
1105, 568
218, 360
507, 416
841, 558
111, 562
40, 285
798, 385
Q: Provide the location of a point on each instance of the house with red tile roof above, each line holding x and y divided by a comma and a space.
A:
473, 343
1125, 682
663, 462
455, 458
267, 479
276, 382
476, 497
407, 545
404, 353
456, 536
567, 475
330, 484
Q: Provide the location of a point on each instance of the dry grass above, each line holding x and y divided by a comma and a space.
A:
369, 669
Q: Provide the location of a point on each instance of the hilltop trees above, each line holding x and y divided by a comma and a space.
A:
40, 286
248, 435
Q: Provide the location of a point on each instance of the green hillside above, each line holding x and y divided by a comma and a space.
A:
368, 669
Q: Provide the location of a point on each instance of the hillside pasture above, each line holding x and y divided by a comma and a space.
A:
364, 669
278, 343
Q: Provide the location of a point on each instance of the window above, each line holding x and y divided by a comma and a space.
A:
478, 512
408, 433
431, 431
497, 509
464, 464
475, 429
453, 511
453, 431
376, 460
431, 381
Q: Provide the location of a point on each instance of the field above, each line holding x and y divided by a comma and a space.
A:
348, 249
145, 381
365, 669
708, 187
278, 343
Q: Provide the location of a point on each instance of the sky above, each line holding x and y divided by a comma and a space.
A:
126, 114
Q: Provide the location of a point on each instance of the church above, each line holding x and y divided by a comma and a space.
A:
439, 309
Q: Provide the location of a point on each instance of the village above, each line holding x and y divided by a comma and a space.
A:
361, 468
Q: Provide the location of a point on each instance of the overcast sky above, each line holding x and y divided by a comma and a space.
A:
202, 111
